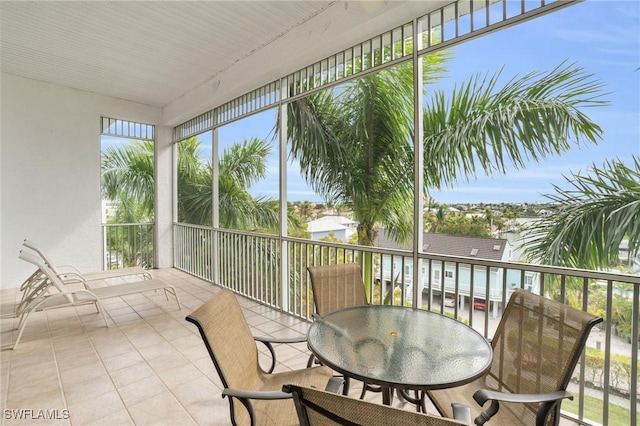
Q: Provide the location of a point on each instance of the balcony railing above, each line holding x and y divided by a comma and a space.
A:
472, 290
127, 244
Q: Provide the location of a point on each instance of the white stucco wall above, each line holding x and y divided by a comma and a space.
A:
50, 171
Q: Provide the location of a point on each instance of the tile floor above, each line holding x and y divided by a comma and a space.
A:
149, 367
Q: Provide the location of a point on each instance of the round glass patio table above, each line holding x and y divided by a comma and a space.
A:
399, 348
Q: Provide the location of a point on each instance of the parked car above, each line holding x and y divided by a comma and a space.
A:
479, 305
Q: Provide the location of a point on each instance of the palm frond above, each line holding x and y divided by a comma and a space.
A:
592, 219
528, 119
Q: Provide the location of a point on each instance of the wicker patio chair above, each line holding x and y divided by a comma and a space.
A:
255, 395
319, 408
535, 350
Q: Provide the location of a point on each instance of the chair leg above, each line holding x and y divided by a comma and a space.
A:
310, 361
418, 399
101, 310
23, 321
364, 391
345, 388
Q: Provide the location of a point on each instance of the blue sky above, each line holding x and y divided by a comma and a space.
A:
603, 37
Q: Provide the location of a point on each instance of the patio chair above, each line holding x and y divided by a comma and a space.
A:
53, 293
70, 274
255, 395
337, 287
341, 286
319, 408
535, 350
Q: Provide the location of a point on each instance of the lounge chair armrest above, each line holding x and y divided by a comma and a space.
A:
72, 269
546, 400
245, 394
72, 278
268, 342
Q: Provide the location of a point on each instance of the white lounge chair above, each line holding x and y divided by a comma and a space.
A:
70, 274
54, 293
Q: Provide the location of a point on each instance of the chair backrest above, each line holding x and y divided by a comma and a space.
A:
336, 287
321, 408
51, 276
536, 347
31, 245
228, 339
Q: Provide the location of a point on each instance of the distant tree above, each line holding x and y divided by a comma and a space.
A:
306, 209
489, 217
512, 212
592, 218
465, 226
435, 220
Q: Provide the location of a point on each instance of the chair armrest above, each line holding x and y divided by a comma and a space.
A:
245, 394
72, 278
245, 397
268, 341
461, 412
484, 395
71, 269
547, 401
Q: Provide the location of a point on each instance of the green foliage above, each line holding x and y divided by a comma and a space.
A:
591, 219
465, 226
439, 222
619, 371
354, 142
434, 221
481, 126
593, 410
127, 177
353, 146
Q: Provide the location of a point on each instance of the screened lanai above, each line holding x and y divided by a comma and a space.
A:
67, 65
210, 80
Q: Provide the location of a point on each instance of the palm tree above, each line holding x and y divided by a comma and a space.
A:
127, 176
306, 209
353, 146
242, 165
354, 143
593, 216
435, 221
511, 213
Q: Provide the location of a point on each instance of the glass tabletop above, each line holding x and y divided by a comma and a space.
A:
399, 347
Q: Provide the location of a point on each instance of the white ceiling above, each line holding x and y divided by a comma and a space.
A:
185, 57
